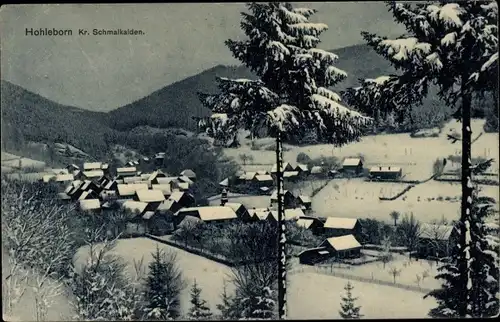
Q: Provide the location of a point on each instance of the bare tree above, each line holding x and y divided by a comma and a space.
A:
394, 272
418, 279
395, 216
409, 232
386, 256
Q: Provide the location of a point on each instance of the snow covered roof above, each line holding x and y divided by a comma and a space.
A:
316, 169
92, 166
385, 169
89, 204
63, 196
305, 222
130, 189
64, 177
166, 189
318, 249
126, 170
286, 167
437, 232
109, 184
189, 173
183, 185
177, 195
59, 171
150, 195
105, 166
351, 162
274, 195
305, 199
167, 179
340, 223
85, 194
166, 205
301, 167
248, 176
135, 206
85, 184
224, 182
93, 173
132, 179
148, 214
288, 174
263, 177
68, 188
293, 214
265, 189
262, 172
48, 177
186, 180
212, 212
343, 242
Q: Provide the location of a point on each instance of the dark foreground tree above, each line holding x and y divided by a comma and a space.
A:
455, 46
199, 309
163, 286
290, 96
349, 310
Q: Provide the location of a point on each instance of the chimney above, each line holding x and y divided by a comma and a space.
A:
223, 197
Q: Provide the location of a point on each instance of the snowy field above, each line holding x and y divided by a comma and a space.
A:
407, 276
248, 201
357, 198
414, 155
11, 160
310, 295
317, 296
209, 275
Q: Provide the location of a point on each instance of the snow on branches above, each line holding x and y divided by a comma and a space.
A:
292, 92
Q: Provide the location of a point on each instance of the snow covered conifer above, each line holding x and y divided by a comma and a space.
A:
163, 286
349, 310
455, 46
199, 309
291, 96
261, 306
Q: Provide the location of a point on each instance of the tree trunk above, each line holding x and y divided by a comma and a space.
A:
281, 230
466, 202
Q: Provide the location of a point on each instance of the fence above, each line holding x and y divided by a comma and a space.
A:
328, 270
189, 249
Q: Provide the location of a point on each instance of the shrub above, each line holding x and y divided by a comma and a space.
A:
303, 158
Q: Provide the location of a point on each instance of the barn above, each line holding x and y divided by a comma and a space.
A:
436, 240
353, 166
315, 255
336, 226
342, 247
385, 173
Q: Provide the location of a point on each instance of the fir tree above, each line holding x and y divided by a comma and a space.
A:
455, 46
199, 309
348, 305
227, 307
290, 96
260, 306
163, 286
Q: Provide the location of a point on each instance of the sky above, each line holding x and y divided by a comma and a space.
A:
102, 73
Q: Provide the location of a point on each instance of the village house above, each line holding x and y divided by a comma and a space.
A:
88, 194
265, 190
129, 190
240, 210
311, 223
224, 183
93, 174
152, 197
305, 202
154, 176
157, 224
134, 179
352, 166
342, 247
263, 180
126, 172
317, 171
286, 167
290, 201
290, 215
336, 226
313, 256
386, 173
185, 179
436, 240
168, 205
91, 205
166, 189
257, 214
89, 166
291, 175
302, 169
210, 214
184, 199
189, 173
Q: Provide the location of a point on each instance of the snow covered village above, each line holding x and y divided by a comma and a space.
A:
235, 161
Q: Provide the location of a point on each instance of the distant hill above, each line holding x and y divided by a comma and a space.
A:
27, 116
175, 104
